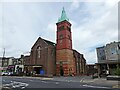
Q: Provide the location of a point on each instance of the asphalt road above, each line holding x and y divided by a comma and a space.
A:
23, 83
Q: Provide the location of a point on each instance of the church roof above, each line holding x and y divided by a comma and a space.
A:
46, 41
63, 16
49, 42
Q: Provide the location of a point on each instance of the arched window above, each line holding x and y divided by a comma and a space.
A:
68, 28
38, 51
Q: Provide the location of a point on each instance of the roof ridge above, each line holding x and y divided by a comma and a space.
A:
49, 42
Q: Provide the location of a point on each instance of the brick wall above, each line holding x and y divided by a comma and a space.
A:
65, 56
46, 59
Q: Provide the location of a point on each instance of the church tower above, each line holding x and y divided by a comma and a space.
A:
64, 53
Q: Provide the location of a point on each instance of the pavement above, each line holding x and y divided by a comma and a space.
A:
103, 82
89, 81
0, 82
86, 80
16, 83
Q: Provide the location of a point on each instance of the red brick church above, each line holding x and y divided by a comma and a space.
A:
48, 58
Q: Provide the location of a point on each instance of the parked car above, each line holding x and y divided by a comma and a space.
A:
7, 73
10, 73
4, 73
95, 75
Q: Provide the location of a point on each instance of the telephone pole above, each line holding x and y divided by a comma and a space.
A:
3, 57
4, 53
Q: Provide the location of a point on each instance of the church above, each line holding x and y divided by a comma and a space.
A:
56, 59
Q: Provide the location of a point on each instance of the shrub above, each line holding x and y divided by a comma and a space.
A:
116, 71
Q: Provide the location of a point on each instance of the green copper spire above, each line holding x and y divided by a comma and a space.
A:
63, 16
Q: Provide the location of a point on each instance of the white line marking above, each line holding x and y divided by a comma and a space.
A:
15, 84
44, 82
23, 87
6, 85
94, 86
56, 82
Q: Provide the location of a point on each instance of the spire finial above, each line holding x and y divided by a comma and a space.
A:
63, 9
63, 16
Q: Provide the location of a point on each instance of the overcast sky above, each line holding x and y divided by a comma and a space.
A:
94, 24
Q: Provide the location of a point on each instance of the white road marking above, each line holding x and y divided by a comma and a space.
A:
23, 87
6, 85
15, 84
46, 78
56, 82
94, 86
82, 80
44, 82
50, 82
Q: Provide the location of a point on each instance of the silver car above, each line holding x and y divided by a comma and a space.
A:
4, 73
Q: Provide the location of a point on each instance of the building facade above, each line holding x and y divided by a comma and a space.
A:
108, 57
6, 61
0, 61
80, 63
57, 59
91, 69
41, 59
65, 64
11, 64
1, 65
26, 60
68, 61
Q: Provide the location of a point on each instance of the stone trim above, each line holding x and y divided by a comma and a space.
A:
63, 62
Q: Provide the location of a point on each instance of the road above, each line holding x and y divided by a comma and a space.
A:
23, 82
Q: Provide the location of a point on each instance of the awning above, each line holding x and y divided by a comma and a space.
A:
12, 66
1, 68
4, 68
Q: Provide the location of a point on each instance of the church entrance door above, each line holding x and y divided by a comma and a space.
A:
61, 71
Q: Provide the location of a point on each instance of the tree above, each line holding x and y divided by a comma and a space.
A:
117, 70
